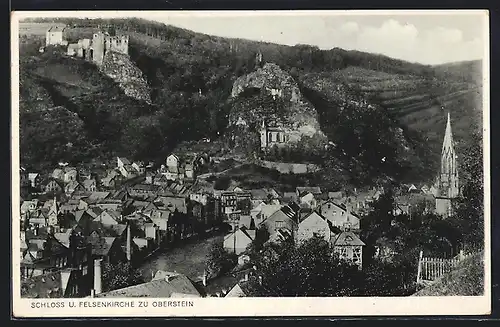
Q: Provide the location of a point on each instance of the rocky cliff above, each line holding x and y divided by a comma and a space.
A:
129, 77
272, 96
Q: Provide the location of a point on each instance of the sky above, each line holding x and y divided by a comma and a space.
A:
430, 37
426, 39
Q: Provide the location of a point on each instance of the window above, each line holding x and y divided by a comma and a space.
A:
329, 206
279, 224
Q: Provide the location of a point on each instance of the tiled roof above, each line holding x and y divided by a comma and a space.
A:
269, 209
173, 202
97, 196
161, 288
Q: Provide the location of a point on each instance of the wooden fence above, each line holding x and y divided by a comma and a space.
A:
430, 269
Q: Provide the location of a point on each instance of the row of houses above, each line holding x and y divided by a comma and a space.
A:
330, 220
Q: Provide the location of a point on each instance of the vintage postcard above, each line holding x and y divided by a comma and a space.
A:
295, 163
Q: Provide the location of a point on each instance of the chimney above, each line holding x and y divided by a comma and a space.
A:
97, 276
246, 277
205, 278
129, 243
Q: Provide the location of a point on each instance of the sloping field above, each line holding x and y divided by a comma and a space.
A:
421, 102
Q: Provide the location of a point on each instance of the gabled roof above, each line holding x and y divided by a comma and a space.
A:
114, 230
243, 230
102, 246
269, 209
245, 221
124, 160
280, 215
160, 288
73, 185
94, 212
63, 237
348, 238
113, 213
79, 214
53, 181
289, 212
293, 206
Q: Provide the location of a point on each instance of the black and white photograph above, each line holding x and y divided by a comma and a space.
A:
176, 156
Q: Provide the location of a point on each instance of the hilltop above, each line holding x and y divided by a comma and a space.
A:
395, 110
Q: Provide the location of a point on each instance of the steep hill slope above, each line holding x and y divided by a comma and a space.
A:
400, 106
465, 280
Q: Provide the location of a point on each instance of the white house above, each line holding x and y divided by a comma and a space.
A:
339, 215
54, 36
172, 161
238, 241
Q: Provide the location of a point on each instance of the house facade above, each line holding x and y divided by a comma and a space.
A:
348, 246
339, 215
54, 36
314, 225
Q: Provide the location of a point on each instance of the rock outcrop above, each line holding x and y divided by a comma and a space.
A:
272, 96
129, 77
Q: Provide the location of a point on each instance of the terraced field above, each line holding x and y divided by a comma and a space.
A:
421, 102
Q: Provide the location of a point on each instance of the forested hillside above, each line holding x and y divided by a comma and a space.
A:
190, 77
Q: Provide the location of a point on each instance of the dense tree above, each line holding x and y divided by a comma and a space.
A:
119, 275
308, 269
219, 261
469, 209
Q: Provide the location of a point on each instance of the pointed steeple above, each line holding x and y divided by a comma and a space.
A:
448, 179
448, 136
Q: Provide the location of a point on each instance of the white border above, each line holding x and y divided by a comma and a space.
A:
368, 306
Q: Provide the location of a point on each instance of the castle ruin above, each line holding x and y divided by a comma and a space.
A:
96, 48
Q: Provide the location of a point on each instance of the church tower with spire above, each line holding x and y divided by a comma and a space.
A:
447, 180
448, 175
